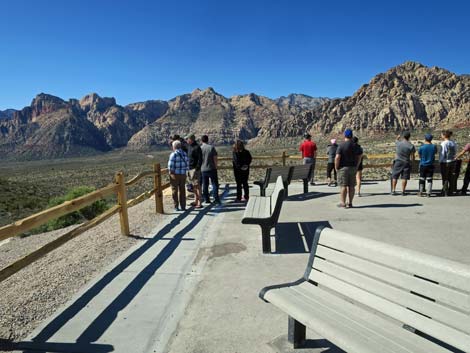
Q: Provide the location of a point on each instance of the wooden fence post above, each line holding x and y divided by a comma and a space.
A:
157, 181
284, 156
122, 202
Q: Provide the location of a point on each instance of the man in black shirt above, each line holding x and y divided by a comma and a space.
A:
194, 173
348, 156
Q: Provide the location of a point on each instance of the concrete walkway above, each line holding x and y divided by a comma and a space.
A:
193, 286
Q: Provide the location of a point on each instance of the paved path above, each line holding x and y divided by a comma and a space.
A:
193, 286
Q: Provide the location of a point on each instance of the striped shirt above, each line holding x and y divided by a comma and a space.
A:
178, 162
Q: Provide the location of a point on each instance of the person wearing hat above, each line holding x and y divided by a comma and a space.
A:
309, 153
178, 167
427, 153
331, 153
466, 179
194, 173
405, 153
347, 160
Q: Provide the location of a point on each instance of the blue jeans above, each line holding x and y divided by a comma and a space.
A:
212, 175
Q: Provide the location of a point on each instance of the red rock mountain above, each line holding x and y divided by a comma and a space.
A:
409, 96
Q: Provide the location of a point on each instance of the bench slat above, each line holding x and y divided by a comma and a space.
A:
440, 270
351, 327
435, 329
432, 290
301, 171
404, 298
257, 207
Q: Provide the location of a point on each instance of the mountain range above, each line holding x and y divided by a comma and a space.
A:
408, 96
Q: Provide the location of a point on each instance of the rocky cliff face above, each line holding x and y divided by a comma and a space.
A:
7, 114
409, 96
51, 127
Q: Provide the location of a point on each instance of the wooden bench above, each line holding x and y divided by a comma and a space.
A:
303, 172
271, 176
265, 211
367, 296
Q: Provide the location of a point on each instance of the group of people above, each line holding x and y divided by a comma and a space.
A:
449, 163
344, 164
194, 165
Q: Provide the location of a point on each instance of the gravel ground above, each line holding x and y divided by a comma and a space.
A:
36, 292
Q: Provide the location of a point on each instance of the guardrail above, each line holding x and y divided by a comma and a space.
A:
119, 188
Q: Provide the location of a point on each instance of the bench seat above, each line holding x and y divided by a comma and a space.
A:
351, 327
265, 211
361, 294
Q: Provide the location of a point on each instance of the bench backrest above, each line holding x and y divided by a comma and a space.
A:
277, 197
428, 293
303, 172
284, 172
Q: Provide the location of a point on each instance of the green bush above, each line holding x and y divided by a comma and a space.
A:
86, 213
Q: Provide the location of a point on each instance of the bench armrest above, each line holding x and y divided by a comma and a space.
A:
278, 286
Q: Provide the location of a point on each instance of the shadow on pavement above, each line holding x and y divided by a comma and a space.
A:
296, 237
390, 205
63, 347
309, 196
104, 319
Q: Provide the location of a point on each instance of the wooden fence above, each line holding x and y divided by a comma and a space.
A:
118, 188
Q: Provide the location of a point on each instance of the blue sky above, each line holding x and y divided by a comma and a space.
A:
141, 49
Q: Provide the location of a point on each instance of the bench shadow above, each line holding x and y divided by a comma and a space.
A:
309, 196
296, 237
58, 347
104, 319
282, 345
390, 205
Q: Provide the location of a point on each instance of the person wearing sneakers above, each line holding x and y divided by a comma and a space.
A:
466, 179
194, 173
427, 153
347, 160
331, 153
309, 153
178, 165
405, 153
447, 162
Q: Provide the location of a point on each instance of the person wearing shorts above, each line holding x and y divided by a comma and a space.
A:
346, 163
405, 153
331, 153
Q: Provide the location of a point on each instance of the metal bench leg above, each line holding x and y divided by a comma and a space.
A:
296, 333
305, 186
266, 239
262, 191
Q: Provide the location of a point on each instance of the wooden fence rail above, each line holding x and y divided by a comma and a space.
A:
119, 188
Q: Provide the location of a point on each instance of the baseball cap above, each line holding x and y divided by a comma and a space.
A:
348, 133
428, 137
333, 141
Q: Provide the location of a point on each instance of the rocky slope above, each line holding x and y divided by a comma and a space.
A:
409, 96
6, 114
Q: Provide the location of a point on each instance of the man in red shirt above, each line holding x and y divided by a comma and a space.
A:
309, 153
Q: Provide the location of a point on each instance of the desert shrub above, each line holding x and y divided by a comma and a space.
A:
86, 213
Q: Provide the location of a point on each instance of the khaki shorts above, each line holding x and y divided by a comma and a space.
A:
194, 176
347, 176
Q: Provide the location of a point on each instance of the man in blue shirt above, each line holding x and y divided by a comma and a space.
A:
178, 166
427, 153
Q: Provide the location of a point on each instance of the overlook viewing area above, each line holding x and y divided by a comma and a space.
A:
192, 284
